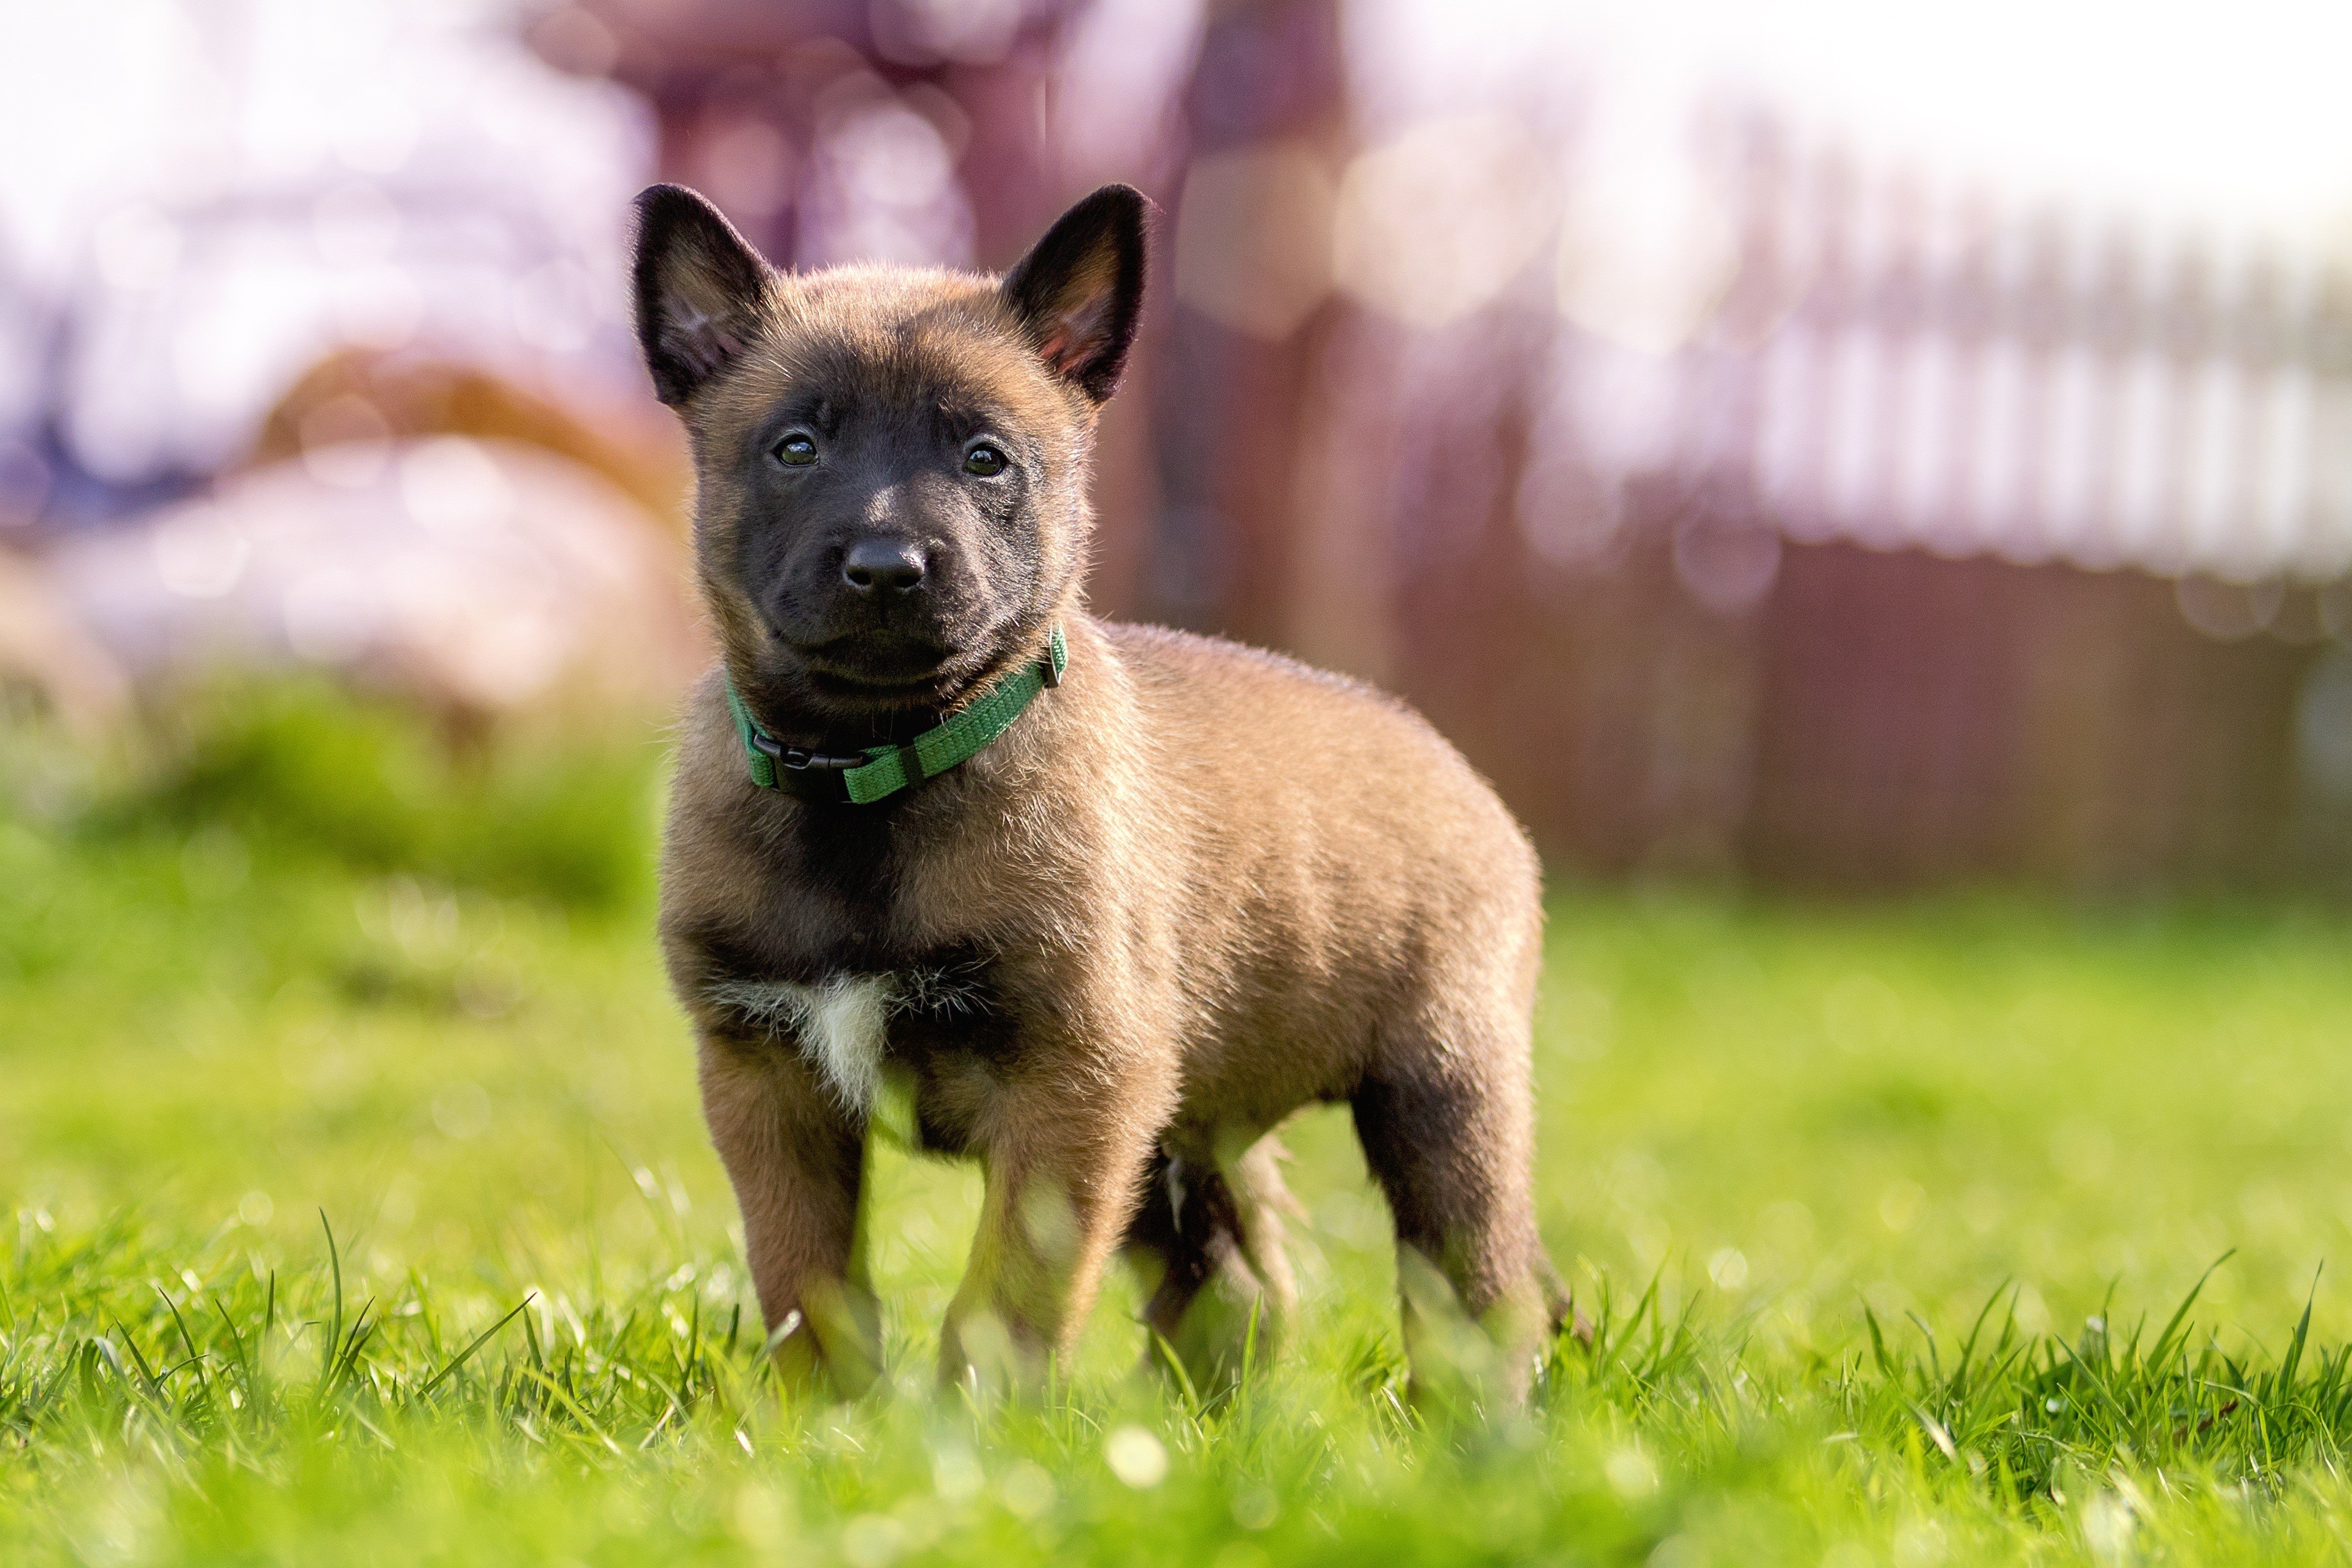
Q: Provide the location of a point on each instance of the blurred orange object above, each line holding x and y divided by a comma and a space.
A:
46, 655
364, 393
476, 578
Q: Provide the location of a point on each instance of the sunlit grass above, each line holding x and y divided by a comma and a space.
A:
360, 1212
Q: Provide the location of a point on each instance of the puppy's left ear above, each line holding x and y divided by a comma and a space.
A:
1078, 292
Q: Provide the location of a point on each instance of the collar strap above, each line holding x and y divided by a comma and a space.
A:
879, 772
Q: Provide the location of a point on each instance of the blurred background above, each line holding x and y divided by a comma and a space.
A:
1825, 444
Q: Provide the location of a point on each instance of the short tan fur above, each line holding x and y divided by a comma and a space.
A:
1195, 888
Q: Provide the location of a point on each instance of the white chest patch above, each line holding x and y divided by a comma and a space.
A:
842, 1023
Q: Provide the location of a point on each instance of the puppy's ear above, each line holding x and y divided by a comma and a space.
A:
1079, 291
700, 285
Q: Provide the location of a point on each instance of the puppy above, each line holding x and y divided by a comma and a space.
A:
1096, 905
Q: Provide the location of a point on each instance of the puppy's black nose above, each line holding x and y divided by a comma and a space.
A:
873, 564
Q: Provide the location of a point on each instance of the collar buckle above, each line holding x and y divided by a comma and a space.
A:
800, 760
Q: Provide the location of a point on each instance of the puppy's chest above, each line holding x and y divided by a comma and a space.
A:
923, 1018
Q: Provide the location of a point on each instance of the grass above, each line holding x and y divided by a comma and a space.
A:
359, 1212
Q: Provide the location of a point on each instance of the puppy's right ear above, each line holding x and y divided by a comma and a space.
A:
1079, 292
699, 286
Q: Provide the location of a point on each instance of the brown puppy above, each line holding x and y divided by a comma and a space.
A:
1187, 890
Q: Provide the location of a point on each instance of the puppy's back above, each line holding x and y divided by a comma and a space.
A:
1330, 808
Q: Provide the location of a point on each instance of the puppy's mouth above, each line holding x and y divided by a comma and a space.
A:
893, 673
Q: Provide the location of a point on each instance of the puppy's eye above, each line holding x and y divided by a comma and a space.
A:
984, 461
797, 450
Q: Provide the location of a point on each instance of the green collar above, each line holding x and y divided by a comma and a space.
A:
882, 771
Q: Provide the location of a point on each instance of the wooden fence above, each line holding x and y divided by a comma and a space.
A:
1967, 545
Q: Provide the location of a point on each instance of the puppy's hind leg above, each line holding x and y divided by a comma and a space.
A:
1446, 1130
1207, 1239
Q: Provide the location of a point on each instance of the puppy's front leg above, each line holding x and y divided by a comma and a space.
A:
796, 1159
1064, 1168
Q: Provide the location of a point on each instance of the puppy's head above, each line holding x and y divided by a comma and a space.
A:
890, 463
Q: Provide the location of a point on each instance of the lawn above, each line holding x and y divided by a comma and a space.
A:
362, 1214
